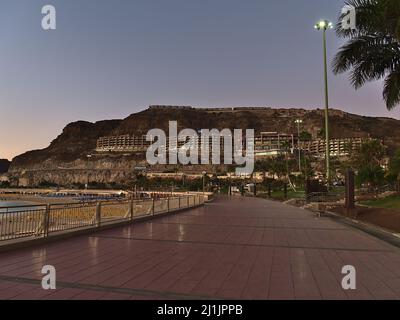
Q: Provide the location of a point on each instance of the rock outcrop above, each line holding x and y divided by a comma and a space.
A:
4, 165
66, 160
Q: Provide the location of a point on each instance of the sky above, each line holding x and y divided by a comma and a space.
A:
110, 58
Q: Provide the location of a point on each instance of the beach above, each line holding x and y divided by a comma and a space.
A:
26, 199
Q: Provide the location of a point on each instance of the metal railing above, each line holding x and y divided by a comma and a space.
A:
43, 220
324, 197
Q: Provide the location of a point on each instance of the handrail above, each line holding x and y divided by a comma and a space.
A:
53, 218
323, 196
23, 206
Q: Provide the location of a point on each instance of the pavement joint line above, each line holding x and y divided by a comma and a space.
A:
239, 244
249, 226
107, 289
254, 216
247, 217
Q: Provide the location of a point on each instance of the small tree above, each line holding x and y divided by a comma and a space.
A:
367, 161
305, 136
278, 166
394, 169
372, 175
263, 166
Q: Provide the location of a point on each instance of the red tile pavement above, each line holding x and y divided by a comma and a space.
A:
232, 248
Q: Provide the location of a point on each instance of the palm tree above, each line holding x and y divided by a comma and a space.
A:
373, 49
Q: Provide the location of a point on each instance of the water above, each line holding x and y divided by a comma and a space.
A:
15, 204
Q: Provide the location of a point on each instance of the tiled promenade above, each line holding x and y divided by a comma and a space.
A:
239, 248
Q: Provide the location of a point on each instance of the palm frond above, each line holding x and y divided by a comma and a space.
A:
373, 49
367, 19
356, 55
391, 90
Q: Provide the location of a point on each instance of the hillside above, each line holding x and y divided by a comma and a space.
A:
76, 141
70, 149
4, 165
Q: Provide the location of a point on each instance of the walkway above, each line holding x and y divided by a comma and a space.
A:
239, 248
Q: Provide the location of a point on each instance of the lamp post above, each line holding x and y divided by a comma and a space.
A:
299, 122
325, 25
204, 178
88, 157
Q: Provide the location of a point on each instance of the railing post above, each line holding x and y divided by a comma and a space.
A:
98, 214
46, 221
167, 204
285, 191
350, 203
179, 202
153, 207
131, 209
269, 190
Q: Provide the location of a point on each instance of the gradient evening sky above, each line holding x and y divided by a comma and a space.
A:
110, 58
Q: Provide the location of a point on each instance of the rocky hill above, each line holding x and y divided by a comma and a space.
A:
68, 152
4, 165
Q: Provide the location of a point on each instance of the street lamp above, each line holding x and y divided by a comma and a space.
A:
325, 25
88, 157
299, 122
